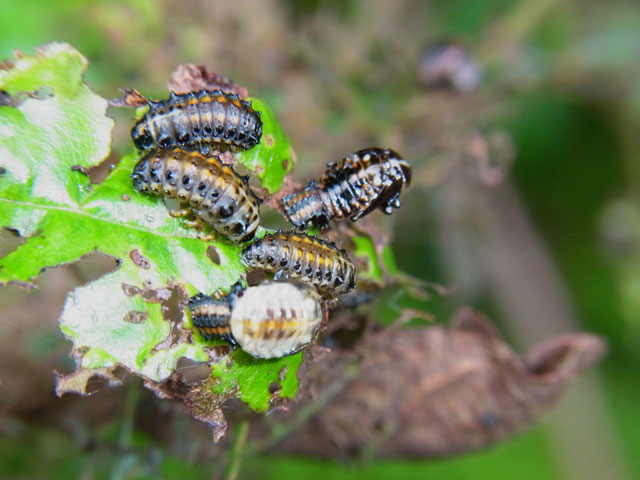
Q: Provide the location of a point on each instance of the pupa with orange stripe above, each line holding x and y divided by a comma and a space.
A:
305, 258
270, 320
205, 121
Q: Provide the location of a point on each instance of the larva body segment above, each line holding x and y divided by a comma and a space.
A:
212, 191
204, 121
350, 188
270, 320
304, 258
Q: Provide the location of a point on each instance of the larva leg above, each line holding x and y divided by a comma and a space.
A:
176, 212
218, 294
192, 224
183, 212
199, 226
206, 237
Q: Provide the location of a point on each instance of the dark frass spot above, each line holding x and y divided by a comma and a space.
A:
135, 316
139, 259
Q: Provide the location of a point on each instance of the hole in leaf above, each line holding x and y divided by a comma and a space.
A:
93, 266
95, 383
255, 276
274, 388
213, 255
272, 219
9, 241
171, 307
193, 372
120, 372
241, 169
130, 290
254, 183
98, 173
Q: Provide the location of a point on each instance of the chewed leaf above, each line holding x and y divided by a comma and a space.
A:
253, 378
34, 150
133, 317
273, 157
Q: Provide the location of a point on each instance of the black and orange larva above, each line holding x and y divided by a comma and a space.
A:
211, 315
204, 121
212, 191
269, 320
350, 188
304, 258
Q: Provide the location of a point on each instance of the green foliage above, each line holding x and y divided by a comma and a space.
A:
272, 159
54, 129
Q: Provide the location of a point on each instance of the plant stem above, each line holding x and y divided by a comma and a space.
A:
239, 442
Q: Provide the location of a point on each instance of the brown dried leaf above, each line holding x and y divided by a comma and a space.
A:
193, 78
200, 398
131, 98
490, 156
82, 380
438, 391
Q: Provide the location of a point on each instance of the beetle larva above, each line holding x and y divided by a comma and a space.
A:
211, 315
304, 258
213, 192
204, 121
270, 320
352, 187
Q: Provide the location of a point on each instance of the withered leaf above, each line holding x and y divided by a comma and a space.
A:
82, 380
193, 78
200, 399
131, 98
433, 392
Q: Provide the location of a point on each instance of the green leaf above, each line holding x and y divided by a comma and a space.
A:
254, 377
366, 249
272, 158
133, 316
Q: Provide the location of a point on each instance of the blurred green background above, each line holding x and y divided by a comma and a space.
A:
552, 247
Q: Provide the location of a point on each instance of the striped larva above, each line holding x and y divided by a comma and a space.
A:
204, 121
212, 191
350, 188
304, 258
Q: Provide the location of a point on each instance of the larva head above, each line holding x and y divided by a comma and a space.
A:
406, 170
404, 166
141, 135
140, 174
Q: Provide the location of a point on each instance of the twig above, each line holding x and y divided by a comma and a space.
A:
237, 450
